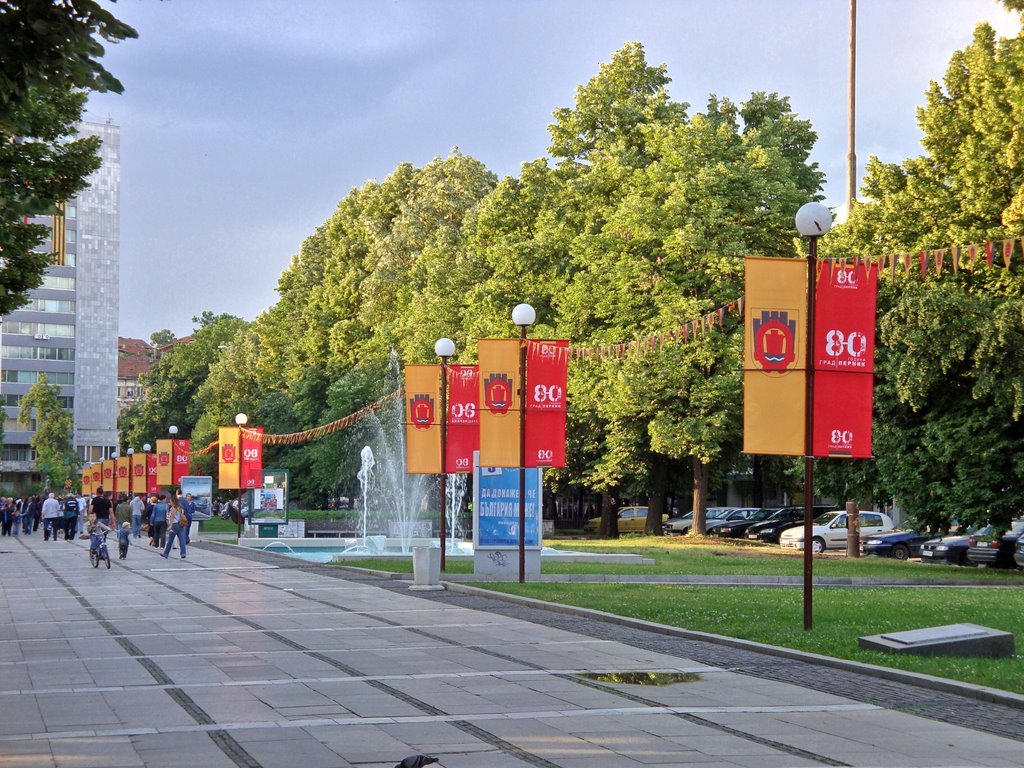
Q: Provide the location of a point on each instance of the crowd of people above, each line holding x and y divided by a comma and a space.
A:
163, 517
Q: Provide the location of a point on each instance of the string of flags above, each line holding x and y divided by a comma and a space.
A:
959, 257
655, 342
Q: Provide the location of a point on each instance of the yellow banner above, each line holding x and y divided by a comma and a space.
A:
107, 483
229, 457
87, 481
164, 463
138, 472
499, 402
775, 357
122, 471
423, 419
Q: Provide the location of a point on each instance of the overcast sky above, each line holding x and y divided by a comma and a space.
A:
243, 123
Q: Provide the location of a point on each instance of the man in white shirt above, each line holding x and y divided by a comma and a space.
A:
138, 506
52, 515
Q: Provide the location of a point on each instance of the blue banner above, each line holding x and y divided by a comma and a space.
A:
496, 511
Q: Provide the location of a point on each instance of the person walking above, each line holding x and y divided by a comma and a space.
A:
53, 517
158, 521
26, 515
138, 507
70, 510
83, 511
6, 517
123, 511
177, 521
101, 508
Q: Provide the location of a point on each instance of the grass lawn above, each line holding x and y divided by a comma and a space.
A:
775, 615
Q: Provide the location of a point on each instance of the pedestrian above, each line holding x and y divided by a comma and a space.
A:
70, 510
190, 509
158, 521
26, 515
123, 510
53, 517
138, 507
177, 522
37, 512
101, 508
83, 511
123, 539
6, 517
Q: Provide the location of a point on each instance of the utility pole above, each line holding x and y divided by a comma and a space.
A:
851, 157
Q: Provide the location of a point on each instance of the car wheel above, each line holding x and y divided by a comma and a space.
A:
817, 545
900, 551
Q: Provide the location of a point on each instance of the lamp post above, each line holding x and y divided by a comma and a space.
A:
812, 221
444, 348
523, 315
241, 420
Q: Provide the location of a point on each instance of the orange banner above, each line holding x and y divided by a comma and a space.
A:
164, 463
122, 474
138, 473
108, 475
87, 481
422, 419
775, 359
230, 453
499, 402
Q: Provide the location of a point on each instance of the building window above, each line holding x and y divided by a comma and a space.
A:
13, 425
39, 330
51, 305
11, 453
63, 378
58, 283
71, 211
13, 401
39, 353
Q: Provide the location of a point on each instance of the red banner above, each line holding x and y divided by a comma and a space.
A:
180, 449
547, 368
152, 486
844, 359
463, 435
252, 459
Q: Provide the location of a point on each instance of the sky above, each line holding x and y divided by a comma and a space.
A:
245, 122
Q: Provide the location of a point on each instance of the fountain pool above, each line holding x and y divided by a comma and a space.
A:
353, 550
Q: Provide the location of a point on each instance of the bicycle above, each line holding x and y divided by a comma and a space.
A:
98, 549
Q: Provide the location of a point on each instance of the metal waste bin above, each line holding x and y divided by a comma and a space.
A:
426, 568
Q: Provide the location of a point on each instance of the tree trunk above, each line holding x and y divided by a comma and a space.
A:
700, 493
609, 515
656, 500
758, 478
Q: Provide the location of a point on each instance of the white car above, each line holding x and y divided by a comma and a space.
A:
829, 530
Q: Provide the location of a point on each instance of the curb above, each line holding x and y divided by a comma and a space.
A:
981, 693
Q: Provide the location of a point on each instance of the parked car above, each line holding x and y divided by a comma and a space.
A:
785, 517
631, 520
829, 531
900, 545
950, 549
1018, 555
737, 522
995, 551
680, 526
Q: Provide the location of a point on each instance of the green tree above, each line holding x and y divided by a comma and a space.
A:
53, 440
54, 45
948, 395
161, 338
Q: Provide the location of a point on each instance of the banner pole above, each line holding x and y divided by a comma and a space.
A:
442, 529
522, 454
812, 257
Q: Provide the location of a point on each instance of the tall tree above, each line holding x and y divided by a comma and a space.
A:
53, 440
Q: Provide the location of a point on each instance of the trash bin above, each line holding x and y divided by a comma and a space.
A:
266, 530
426, 568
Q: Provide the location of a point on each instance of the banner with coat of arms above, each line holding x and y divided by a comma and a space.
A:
164, 463
180, 450
108, 475
229, 458
422, 419
774, 369
152, 486
499, 402
251, 468
137, 470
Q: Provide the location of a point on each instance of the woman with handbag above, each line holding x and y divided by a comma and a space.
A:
177, 522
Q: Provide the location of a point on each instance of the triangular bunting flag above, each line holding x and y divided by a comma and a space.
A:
1007, 252
938, 260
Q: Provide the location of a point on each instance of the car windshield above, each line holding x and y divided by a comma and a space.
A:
717, 514
827, 518
761, 514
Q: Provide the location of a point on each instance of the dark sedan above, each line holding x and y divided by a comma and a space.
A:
737, 524
995, 552
948, 550
772, 527
896, 544
1018, 556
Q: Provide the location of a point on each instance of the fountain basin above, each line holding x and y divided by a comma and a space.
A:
351, 549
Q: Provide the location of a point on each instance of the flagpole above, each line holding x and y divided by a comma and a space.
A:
523, 315
812, 221
444, 348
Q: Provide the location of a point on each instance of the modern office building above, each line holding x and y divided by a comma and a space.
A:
68, 330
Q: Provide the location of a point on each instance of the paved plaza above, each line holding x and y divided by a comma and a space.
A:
232, 658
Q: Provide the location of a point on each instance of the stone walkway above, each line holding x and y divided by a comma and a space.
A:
225, 660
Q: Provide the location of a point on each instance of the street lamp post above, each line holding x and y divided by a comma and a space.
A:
444, 348
241, 420
523, 315
812, 221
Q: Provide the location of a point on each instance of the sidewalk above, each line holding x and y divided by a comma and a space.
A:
224, 660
